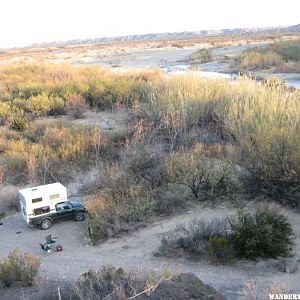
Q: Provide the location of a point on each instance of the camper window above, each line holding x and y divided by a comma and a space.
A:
35, 200
55, 196
41, 210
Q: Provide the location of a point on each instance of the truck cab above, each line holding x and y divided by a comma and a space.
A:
63, 210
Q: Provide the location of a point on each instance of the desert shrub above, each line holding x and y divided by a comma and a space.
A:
170, 198
124, 208
19, 267
17, 120
111, 91
38, 105
9, 198
220, 249
77, 106
196, 238
262, 233
4, 112
255, 59
109, 281
19, 103
28, 89
200, 56
57, 107
144, 164
207, 178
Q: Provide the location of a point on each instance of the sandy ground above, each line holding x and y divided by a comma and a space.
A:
135, 251
105, 120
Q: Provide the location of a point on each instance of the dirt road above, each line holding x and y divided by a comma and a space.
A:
135, 251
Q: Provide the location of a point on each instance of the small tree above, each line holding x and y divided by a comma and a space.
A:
204, 176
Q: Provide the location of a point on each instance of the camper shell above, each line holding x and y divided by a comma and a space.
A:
43, 205
41, 200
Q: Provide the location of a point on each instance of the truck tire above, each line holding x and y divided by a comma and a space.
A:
79, 216
46, 224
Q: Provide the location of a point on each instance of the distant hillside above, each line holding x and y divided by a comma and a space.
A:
176, 35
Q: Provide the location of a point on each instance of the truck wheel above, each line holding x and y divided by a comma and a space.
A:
79, 216
45, 224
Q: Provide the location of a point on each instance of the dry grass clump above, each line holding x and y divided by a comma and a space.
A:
253, 289
115, 283
199, 238
108, 281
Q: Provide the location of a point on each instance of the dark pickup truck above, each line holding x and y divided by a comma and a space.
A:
63, 210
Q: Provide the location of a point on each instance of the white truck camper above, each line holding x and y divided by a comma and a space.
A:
41, 200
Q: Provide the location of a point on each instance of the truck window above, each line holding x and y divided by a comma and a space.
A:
63, 206
54, 196
35, 200
41, 210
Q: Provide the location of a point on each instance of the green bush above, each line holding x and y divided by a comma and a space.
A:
219, 249
19, 267
57, 107
39, 105
17, 120
28, 89
200, 56
263, 233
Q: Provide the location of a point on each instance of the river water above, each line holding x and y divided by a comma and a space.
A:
209, 70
